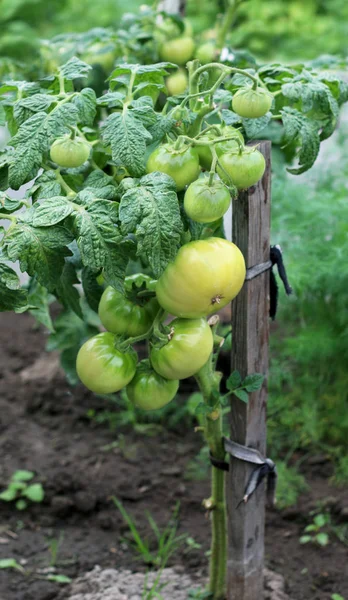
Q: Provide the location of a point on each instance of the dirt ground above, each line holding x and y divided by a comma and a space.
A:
44, 427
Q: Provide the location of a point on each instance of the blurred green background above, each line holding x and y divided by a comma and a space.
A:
277, 29
309, 378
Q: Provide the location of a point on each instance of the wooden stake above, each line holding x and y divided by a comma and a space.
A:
250, 335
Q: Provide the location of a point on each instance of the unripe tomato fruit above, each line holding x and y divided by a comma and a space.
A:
69, 153
252, 104
102, 368
204, 277
130, 316
206, 53
150, 391
205, 203
177, 83
204, 152
182, 165
178, 51
186, 352
244, 169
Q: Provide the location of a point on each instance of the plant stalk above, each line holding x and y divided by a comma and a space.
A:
209, 384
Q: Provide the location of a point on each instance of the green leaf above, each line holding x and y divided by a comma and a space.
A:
74, 69
40, 250
34, 138
12, 297
101, 185
233, 381
151, 212
298, 128
96, 230
26, 107
68, 364
229, 117
320, 520
253, 382
322, 539
9, 494
66, 291
242, 395
111, 100
116, 262
10, 563
70, 331
91, 288
305, 539
128, 138
34, 492
52, 211
202, 409
337, 597
86, 104
45, 186
9, 205
21, 504
39, 301
59, 578
22, 475
254, 127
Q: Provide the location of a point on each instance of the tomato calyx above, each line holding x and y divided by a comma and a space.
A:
139, 289
217, 299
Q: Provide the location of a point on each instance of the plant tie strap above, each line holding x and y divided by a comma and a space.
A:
265, 468
276, 258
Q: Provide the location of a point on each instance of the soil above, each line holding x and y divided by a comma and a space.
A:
44, 427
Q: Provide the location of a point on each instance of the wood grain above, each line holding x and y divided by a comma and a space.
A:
250, 334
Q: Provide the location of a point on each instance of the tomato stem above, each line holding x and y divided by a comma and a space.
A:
69, 191
8, 217
227, 22
209, 386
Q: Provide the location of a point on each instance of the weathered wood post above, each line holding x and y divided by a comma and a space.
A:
250, 333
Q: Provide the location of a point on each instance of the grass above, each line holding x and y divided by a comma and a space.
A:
167, 542
308, 375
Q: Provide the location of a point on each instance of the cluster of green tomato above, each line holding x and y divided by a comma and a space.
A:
205, 276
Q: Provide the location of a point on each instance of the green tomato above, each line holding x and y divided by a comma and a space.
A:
243, 169
204, 277
100, 54
206, 203
204, 152
252, 104
182, 165
178, 51
129, 314
189, 347
102, 368
177, 83
70, 153
206, 53
150, 391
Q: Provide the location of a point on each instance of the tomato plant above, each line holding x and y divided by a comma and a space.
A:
176, 84
131, 314
207, 200
150, 391
205, 276
252, 103
69, 153
188, 348
242, 168
181, 164
114, 189
179, 50
102, 367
